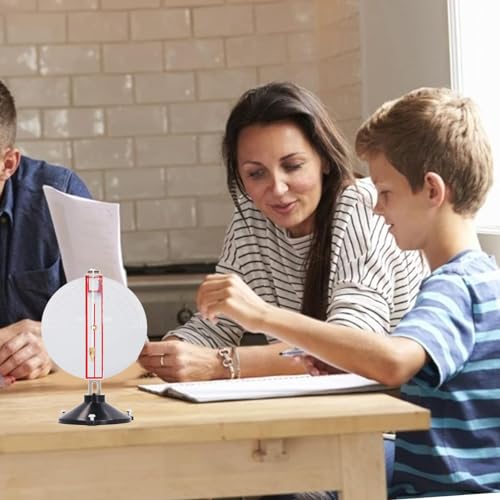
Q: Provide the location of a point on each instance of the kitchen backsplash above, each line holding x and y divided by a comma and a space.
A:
133, 95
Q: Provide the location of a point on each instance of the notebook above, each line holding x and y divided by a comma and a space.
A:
263, 387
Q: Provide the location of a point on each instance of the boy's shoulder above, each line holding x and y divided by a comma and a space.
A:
465, 275
467, 263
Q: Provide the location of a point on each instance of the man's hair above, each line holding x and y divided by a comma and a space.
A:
433, 130
8, 118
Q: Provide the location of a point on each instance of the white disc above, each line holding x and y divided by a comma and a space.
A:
64, 325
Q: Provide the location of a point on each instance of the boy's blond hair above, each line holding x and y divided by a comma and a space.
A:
433, 130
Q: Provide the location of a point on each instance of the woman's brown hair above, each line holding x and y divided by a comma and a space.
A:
280, 102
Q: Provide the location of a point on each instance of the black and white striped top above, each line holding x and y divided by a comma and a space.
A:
372, 283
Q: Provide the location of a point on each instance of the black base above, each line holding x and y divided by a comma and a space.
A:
103, 413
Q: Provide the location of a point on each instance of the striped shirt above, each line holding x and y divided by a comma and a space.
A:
456, 319
372, 283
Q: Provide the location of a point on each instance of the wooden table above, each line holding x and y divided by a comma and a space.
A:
175, 449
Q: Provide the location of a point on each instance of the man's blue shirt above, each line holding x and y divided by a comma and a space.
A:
30, 263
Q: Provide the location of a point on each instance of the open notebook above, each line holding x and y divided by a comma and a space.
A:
263, 387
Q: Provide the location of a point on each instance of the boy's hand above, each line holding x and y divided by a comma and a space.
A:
314, 366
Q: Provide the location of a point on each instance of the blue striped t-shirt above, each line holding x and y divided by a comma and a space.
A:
456, 319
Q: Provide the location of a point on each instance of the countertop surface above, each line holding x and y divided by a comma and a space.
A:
30, 411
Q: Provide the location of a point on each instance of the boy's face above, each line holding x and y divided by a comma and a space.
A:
405, 212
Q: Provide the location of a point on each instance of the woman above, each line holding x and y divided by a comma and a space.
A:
303, 237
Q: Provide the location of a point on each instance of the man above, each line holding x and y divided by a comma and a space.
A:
30, 263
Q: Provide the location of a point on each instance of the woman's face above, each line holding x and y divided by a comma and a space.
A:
281, 173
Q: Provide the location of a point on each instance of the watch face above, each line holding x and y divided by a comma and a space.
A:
94, 328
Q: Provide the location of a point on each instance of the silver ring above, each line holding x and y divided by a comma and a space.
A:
162, 360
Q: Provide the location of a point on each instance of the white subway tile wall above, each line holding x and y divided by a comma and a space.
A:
94, 179
195, 181
165, 87
97, 27
160, 24
166, 150
68, 5
209, 147
193, 54
17, 5
69, 59
213, 212
73, 122
127, 216
102, 90
35, 28
223, 21
38, 92
276, 18
133, 95
255, 50
136, 120
18, 60
339, 62
129, 4
29, 124
58, 152
132, 57
305, 74
167, 214
102, 154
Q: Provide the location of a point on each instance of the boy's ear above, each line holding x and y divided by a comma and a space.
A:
436, 188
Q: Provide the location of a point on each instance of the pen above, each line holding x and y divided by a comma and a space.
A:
6, 381
295, 351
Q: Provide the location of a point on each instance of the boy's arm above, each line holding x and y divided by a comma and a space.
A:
389, 360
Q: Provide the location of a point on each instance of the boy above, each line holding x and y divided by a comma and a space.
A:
432, 165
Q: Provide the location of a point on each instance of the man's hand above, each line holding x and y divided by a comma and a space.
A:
177, 361
22, 353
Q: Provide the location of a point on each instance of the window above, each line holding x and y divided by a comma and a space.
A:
474, 43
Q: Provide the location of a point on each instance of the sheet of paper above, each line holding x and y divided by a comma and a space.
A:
88, 234
263, 387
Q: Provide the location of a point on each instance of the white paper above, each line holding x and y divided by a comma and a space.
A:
263, 387
88, 234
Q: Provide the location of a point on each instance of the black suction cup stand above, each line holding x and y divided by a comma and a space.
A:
95, 411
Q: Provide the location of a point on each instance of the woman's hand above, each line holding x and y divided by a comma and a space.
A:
177, 361
229, 296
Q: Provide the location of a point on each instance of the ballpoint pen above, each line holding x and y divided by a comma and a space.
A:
295, 351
